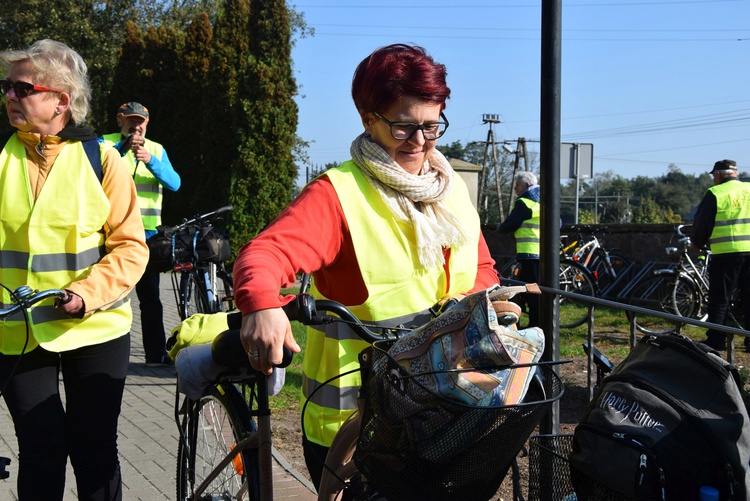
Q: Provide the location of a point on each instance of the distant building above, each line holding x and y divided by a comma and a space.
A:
470, 174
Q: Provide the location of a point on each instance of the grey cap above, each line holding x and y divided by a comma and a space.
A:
132, 109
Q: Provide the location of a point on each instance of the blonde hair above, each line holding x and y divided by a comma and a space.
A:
57, 66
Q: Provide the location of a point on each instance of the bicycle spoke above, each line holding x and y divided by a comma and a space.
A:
217, 431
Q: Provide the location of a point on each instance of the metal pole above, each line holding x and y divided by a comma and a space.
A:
575, 173
549, 159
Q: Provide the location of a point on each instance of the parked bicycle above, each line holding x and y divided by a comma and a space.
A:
225, 435
588, 250
196, 250
680, 290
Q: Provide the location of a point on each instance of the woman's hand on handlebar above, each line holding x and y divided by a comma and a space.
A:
71, 305
264, 334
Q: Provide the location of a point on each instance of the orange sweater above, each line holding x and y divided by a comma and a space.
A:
116, 274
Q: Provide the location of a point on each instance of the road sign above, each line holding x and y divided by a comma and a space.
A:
576, 160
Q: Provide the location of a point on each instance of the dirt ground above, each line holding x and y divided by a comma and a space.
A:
287, 436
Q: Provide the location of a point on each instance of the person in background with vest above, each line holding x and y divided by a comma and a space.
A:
722, 222
151, 170
64, 227
523, 222
390, 233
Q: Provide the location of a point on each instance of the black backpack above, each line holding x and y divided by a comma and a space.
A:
668, 420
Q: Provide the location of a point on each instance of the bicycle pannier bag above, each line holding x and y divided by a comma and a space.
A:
668, 420
162, 255
212, 245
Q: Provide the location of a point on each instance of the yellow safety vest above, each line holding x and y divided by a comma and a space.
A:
731, 231
527, 235
148, 187
400, 291
49, 243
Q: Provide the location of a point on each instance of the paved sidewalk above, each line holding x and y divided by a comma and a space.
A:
148, 433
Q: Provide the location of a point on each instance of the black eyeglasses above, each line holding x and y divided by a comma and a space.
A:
405, 130
22, 89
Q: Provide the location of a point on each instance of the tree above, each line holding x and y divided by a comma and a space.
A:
91, 28
265, 117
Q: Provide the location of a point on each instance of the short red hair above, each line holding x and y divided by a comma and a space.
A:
397, 71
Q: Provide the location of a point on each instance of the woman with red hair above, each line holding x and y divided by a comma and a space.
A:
389, 233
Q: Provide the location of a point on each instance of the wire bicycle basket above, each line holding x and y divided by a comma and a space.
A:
416, 444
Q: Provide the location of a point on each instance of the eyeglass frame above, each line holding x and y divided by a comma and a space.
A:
416, 127
26, 89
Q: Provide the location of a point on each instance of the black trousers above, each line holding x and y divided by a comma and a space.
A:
84, 429
726, 273
152, 317
529, 273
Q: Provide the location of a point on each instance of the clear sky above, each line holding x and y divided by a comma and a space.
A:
648, 82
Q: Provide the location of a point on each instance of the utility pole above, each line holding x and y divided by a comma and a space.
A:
520, 153
483, 195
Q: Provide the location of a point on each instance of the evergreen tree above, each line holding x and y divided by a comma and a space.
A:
263, 172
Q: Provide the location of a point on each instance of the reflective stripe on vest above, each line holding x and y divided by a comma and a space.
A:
731, 231
527, 235
146, 185
398, 286
49, 243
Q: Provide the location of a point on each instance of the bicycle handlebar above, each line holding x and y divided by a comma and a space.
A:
201, 218
227, 349
25, 297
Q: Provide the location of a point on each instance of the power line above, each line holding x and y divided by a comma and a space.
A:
515, 6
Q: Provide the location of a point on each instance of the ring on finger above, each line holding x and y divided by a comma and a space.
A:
253, 354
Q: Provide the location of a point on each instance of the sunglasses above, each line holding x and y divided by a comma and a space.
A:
22, 89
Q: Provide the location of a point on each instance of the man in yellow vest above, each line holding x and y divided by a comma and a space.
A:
723, 222
151, 171
523, 222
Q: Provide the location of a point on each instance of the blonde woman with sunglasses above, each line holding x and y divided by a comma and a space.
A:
68, 220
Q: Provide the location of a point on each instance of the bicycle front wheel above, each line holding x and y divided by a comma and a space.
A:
575, 278
654, 293
211, 429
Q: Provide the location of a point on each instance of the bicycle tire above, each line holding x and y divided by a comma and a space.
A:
574, 277
211, 427
601, 272
653, 293
687, 298
194, 298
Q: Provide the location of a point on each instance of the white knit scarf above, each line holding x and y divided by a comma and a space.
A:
435, 226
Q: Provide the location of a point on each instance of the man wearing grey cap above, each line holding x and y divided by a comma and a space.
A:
723, 222
151, 170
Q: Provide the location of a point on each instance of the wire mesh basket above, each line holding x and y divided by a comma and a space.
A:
549, 470
470, 450
552, 478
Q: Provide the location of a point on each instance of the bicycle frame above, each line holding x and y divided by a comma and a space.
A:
205, 276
